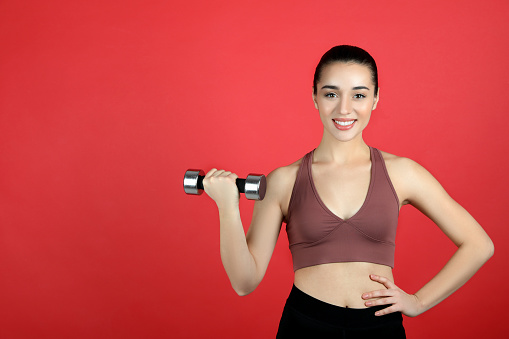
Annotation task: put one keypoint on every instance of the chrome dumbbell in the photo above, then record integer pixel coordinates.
(253, 186)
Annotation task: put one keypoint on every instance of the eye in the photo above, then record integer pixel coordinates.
(331, 95)
(359, 96)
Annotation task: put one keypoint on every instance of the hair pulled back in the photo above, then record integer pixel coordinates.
(346, 53)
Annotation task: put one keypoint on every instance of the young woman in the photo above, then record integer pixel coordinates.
(341, 204)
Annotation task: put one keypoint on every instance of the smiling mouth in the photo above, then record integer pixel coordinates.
(344, 123)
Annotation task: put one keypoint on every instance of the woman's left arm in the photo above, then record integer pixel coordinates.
(420, 189)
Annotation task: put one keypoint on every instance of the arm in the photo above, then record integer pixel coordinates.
(422, 190)
(246, 257)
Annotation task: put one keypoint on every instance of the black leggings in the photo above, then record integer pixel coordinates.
(307, 317)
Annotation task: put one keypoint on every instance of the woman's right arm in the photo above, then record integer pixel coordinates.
(246, 257)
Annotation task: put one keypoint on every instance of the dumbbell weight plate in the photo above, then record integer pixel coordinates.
(191, 181)
(255, 187)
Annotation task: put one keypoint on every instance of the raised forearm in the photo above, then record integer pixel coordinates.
(245, 265)
(235, 255)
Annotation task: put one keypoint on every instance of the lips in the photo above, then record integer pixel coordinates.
(344, 124)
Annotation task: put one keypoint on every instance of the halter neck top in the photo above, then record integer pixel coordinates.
(317, 236)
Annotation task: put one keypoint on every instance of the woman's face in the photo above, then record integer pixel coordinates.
(345, 97)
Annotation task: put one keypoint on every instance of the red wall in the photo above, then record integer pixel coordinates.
(105, 104)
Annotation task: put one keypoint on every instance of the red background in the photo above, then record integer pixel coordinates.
(105, 104)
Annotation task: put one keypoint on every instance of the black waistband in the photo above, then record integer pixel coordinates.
(339, 316)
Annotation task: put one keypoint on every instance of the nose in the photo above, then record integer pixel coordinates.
(345, 106)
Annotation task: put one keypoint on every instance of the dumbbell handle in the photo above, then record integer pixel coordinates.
(241, 183)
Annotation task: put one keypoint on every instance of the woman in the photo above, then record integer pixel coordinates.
(341, 203)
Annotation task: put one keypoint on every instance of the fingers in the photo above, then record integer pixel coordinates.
(382, 280)
(387, 296)
(209, 173)
(387, 310)
(390, 300)
(220, 173)
(213, 176)
(214, 173)
(399, 300)
(389, 285)
(379, 294)
(220, 186)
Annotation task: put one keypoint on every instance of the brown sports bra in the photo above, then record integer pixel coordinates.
(318, 236)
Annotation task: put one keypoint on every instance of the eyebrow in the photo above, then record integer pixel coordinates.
(336, 87)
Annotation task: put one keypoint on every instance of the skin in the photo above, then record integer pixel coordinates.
(341, 173)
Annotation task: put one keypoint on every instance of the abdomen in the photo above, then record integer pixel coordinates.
(341, 284)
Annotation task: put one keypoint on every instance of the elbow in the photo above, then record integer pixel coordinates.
(244, 289)
(490, 249)
(244, 281)
(481, 248)
(485, 249)
(242, 292)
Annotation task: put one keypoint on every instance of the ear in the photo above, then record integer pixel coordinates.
(314, 98)
(375, 102)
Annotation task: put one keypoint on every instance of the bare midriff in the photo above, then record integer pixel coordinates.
(341, 284)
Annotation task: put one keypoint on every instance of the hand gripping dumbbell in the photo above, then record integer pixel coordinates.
(253, 186)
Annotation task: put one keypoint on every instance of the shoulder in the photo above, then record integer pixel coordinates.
(407, 176)
(401, 166)
(284, 175)
(280, 184)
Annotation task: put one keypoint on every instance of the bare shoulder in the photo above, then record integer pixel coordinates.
(282, 173)
(407, 176)
(283, 177)
(400, 166)
(280, 184)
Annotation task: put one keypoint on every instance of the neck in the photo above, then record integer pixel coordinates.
(340, 152)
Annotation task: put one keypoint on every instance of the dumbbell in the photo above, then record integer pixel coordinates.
(253, 186)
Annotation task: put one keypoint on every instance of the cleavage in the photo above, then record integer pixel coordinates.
(344, 190)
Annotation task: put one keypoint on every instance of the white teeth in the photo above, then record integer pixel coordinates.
(345, 123)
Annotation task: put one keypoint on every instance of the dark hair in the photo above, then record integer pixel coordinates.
(346, 53)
